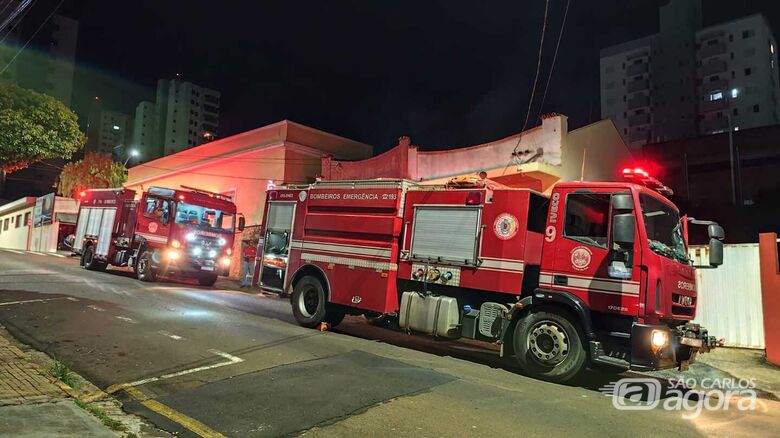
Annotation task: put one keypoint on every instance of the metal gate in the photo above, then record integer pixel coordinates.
(729, 303)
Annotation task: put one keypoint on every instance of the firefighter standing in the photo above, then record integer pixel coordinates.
(248, 254)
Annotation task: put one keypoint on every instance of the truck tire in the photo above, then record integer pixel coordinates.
(207, 280)
(549, 346)
(88, 260)
(310, 304)
(143, 267)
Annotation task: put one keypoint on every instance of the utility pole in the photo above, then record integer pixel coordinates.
(731, 160)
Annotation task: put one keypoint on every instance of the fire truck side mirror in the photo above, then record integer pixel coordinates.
(241, 223)
(716, 232)
(623, 228)
(622, 202)
(716, 252)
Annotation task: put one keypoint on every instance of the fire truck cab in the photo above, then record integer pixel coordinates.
(187, 232)
(596, 273)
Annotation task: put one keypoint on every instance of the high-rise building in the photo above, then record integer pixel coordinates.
(687, 80)
(46, 65)
(109, 132)
(184, 115)
(144, 130)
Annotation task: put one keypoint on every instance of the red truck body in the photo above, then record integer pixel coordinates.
(490, 262)
(185, 232)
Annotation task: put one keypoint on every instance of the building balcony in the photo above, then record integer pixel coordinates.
(639, 135)
(638, 85)
(712, 67)
(711, 86)
(639, 119)
(714, 105)
(710, 126)
(712, 49)
(638, 101)
(637, 69)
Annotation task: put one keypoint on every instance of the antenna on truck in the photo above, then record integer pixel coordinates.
(206, 192)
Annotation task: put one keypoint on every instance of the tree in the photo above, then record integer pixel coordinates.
(95, 171)
(34, 127)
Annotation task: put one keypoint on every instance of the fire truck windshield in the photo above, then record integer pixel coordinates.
(664, 231)
(204, 218)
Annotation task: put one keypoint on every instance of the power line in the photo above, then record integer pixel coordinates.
(538, 65)
(14, 14)
(32, 36)
(533, 88)
(555, 56)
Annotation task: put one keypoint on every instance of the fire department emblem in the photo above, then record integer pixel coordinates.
(302, 195)
(152, 227)
(580, 258)
(505, 226)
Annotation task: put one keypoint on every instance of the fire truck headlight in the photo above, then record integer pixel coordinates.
(221, 241)
(225, 261)
(197, 251)
(175, 244)
(659, 339)
(173, 254)
(190, 237)
(212, 253)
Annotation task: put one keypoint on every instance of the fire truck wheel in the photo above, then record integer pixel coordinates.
(143, 267)
(89, 262)
(308, 302)
(207, 280)
(549, 346)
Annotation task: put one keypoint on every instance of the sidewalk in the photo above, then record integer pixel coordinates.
(744, 363)
(32, 404)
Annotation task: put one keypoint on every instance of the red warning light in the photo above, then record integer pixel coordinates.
(82, 194)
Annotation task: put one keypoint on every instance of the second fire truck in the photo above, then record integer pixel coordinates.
(186, 232)
(595, 273)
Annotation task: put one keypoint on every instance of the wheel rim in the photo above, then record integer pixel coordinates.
(308, 301)
(548, 343)
(142, 266)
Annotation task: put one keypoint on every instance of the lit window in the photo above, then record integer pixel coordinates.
(734, 93)
(736, 128)
(116, 127)
(718, 95)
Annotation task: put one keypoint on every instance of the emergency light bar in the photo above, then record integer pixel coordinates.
(641, 176)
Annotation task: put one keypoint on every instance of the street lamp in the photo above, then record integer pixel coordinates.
(131, 154)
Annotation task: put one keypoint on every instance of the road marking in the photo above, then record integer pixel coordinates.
(42, 300)
(231, 360)
(187, 422)
(170, 335)
(94, 307)
(124, 318)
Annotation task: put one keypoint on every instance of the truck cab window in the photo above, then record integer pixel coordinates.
(587, 218)
(156, 208)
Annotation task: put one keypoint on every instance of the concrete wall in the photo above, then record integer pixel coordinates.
(16, 235)
(605, 153)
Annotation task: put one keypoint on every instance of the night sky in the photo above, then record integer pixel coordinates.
(448, 73)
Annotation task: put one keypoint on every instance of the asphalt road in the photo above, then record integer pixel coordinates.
(233, 363)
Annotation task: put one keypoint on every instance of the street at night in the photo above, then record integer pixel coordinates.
(393, 219)
(281, 379)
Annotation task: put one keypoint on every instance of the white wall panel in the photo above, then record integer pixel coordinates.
(730, 296)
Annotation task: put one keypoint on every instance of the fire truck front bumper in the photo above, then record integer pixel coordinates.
(185, 265)
(658, 347)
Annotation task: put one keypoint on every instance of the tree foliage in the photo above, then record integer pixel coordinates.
(34, 127)
(95, 171)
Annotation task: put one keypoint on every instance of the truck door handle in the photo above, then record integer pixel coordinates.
(560, 280)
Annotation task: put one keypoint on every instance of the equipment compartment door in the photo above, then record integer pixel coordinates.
(276, 247)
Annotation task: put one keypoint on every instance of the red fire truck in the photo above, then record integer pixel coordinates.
(187, 232)
(596, 273)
